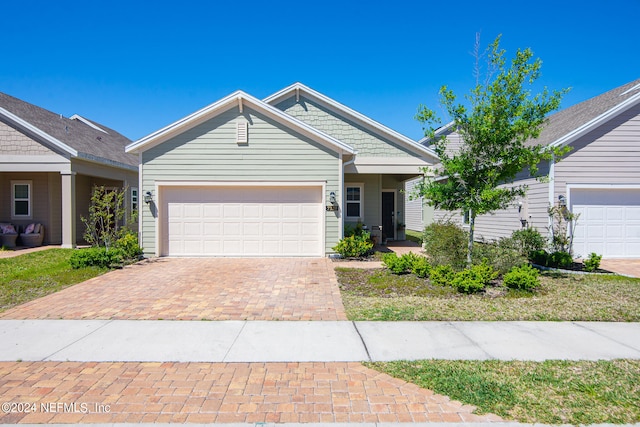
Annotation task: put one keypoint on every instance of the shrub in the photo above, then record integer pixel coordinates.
(466, 281)
(128, 244)
(502, 255)
(446, 243)
(524, 278)
(474, 279)
(528, 240)
(441, 275)
(560, 259)
(400, 265)
(540, 257)
(96, 256)
(593, 262)
(354, 246)
(421, 267)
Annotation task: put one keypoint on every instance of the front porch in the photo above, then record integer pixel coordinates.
(57, 200)
(377, 202)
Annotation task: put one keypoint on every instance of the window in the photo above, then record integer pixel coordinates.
(134, 199)
(354, 202)
(20, 199)
(465, 218)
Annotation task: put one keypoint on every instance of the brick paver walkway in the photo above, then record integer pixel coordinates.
(218, 392)
(630, 267)
(199, 288)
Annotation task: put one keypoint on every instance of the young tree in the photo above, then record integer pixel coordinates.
(496, 128)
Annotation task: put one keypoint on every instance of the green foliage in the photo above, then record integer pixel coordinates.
(562, 222)
(466, 281)
(353, 230)
(528, 240)
(524, 278)
(354, 246)
(593, 262)
(474, 279)
(402, 264)
(445, 243)
(560, 259)
(106, 214)
(502, 255)
(421, 267)
(128, 244)
(539, 257)
(500, 115)
(442, 275)
(96, 257)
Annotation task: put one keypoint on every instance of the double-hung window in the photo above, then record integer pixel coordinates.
(21, 199)
(354, 201)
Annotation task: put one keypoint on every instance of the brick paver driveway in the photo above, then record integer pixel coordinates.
(220, 392)
(199, 288)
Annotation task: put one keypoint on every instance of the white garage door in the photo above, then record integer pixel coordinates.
(609, 222)
(242, 221)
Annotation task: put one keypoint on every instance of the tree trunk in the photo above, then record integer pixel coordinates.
(472, 226)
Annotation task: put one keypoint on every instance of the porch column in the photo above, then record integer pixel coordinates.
(68, 209)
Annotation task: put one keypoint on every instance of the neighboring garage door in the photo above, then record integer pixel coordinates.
(609, 222)
(242, 221)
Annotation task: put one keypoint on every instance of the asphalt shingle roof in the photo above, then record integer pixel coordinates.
(105, 146)
(570, 119)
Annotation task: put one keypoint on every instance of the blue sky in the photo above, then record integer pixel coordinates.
(138, 66)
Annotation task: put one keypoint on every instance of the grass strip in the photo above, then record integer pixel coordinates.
(552, 392)
(377, 294)
(34, 275)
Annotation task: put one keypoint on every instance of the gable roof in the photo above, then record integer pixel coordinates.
(298, 89)
(75, 136)
(571, 123)
(239, 98)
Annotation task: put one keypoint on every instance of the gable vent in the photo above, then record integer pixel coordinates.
(242, 132)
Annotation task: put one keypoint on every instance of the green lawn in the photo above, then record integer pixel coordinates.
(376, 294)
(553, 392)
(30, 276)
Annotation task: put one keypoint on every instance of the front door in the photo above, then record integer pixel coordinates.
(388, 209)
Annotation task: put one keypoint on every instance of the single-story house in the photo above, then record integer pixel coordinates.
(283, 176)
(49, 165)
(599, 179)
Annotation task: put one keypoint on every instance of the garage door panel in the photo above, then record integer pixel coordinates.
(212, 211)
(609, 222)
(233, 211)
(239, 221)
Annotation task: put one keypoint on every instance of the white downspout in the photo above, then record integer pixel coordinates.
(552, 193)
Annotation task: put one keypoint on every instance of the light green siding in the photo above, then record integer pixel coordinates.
(209, 152)
(365, 142)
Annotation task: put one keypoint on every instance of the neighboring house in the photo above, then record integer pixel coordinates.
(418, 213)
(274, 177)
(599, 179)
(49, 164)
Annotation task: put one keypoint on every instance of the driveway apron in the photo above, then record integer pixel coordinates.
(199, 289)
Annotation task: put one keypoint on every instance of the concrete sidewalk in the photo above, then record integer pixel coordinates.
(295, 341)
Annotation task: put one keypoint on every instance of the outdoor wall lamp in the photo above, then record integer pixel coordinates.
(332, 198)
(562, 200)
(148, 197)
